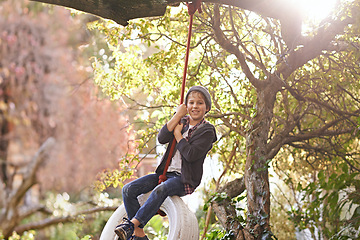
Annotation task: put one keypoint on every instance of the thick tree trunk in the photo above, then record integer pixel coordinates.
(256, 168)
(223, 209)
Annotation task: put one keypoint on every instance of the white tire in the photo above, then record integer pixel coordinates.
(183, 224)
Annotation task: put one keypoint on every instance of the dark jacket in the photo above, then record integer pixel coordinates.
(193, 151)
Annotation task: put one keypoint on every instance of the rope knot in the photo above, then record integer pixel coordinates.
(162, 178)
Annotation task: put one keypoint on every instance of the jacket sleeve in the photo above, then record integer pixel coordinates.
(198, 146)
(165, 135)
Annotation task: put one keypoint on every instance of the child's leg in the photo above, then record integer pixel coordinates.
(135, 188)
(172, 186)
(139, 232)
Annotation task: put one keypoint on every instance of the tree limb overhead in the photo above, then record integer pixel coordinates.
(122, 11)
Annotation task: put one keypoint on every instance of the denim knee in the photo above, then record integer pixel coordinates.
(160, 190)
(126, 190)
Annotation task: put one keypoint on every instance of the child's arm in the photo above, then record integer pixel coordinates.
(166, 132)
(177, 132)
(181, 111)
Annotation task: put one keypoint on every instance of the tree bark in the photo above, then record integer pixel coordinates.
(224, 210)
(256, 167)
(121, 11)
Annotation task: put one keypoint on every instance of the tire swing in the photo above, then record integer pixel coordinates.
(183, 224)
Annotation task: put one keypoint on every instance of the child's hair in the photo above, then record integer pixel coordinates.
(203, 91)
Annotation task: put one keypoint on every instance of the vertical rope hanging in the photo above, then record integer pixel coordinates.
(192, 8)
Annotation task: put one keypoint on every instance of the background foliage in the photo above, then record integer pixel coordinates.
(46, 92)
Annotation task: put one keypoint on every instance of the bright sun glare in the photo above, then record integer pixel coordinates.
(315, 10)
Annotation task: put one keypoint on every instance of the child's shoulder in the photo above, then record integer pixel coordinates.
(207, 123)
(210, 128)
(207, 126)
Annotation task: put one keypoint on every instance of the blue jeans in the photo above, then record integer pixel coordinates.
(172, 186)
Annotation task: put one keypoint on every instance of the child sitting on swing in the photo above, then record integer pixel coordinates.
(194, 139)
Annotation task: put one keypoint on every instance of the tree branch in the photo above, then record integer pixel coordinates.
(222, 115)
(27, 212)
(29, 177)
(283, 138)
(316, 133)
(121, 11)
(225, 44)
(223, 208)
(333, 109)
(65, 219)
(312, 48)
(2, 194)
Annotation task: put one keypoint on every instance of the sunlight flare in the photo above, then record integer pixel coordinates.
(315, 10)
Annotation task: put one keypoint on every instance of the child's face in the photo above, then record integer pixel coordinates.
(196, 107)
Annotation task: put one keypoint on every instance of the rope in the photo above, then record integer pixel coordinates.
(192, 8)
